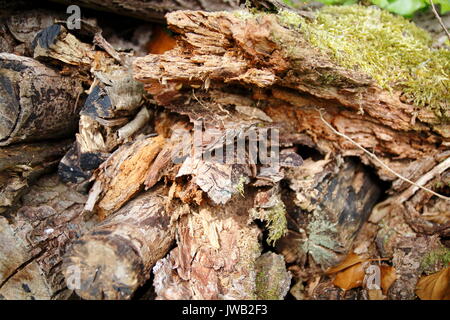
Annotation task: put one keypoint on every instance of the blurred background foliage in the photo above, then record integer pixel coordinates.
(406, 8)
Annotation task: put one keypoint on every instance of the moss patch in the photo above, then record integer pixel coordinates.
(436, 258)
(275, 218)
(390, 49)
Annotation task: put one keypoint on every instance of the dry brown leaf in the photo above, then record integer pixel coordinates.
(388, 276)
(435, 286)
(350, 278)
(349, 261)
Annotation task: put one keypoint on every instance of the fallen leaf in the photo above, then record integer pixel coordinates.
(388, 277)
(435, 286)
(349, 261)
(350, 278)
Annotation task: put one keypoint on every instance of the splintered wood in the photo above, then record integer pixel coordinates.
(219, 50)
(231, 162)
(124, 173)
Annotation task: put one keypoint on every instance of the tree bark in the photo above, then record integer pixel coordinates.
(33, 242)
(116, 257)
(153, 10)
(36, 102)
(216, 254)
(22, 164)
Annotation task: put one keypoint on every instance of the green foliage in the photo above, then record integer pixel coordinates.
(405, 8)
(392, 50)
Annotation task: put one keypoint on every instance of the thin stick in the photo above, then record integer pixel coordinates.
(439, 19)
(385, 166)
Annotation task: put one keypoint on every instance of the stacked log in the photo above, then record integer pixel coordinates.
(240, 162)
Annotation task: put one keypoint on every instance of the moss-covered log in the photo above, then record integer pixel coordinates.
(290, 77)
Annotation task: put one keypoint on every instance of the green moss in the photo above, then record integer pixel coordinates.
(390, 49)
(272, 279)
(263, 292)
(436, 257)
(276, 222)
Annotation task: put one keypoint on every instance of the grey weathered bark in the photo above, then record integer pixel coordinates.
(33, 242)
(154, 10)
(36, 102)
(116, 257)
(22, 164)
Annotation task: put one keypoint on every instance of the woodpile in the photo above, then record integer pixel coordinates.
(228, 159)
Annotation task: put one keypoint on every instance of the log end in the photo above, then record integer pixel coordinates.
(103, 267)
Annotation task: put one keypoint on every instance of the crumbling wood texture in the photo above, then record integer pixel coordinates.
(22, 164)
(288, 79)
(122, 176)
(216, 254)
(33, 242)
(154, 10)
(328, 203)
(36, 102)
(116, 257)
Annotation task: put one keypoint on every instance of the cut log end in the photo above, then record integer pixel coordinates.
(106, 268)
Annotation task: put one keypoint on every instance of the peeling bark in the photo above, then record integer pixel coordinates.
(116, 257)
(22, 164)
(215, 257)
(32, 245)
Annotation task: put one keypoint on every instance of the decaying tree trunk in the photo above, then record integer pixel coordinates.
(290, 86)
(226, 166)
(154, 10)
(22, 164)
(330, 203)
(33, 242)
(116, 257)
(226, 63)
(36, 102)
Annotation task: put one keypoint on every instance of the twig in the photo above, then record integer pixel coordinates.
(439, 19)
(385, 166)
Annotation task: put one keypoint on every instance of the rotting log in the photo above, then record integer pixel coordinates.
(36, 102)
(328, 204)
(276, 67)
(116, 257)
(154, 10)
(33, 242)
(215, 255)
(22, 164)
(114, 111)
